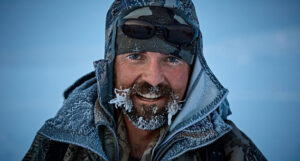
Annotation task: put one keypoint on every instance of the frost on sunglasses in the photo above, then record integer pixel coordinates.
(176, 33)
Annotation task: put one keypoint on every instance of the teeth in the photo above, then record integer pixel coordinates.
(150, 95)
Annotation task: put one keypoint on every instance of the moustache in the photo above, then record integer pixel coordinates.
(146, 90)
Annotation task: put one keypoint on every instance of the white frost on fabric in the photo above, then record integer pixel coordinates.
(122, 99)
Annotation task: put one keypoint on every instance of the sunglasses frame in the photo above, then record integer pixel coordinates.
(158, 29)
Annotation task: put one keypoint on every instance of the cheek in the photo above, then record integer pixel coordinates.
(124, 76)
(178, 80)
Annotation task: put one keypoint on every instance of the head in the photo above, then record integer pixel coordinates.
(157, 83)
(154, 54)
(136, 74)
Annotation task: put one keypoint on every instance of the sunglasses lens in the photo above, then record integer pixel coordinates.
(138, 29)
(179, 34)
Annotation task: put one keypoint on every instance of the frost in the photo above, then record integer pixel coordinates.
(154, 118)
(155, 109)
(173, 108)
(152, 124)
(154, 89)
(122, 99)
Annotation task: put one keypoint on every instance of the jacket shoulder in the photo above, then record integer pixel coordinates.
(43, 148)
(238, 146)
(233, 146)
(78, 82)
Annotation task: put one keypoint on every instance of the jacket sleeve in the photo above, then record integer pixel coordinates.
(237, 146)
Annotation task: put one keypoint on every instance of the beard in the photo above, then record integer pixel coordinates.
(147, 117)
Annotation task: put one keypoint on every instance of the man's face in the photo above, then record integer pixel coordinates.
(147, 72)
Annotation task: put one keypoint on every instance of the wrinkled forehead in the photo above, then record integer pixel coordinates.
(158, 14)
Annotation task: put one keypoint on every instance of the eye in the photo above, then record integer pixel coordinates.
(174, 60)
(135, 56)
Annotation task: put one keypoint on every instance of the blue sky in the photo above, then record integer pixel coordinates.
(252, 47)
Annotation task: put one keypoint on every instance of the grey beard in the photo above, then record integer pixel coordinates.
(151, 120)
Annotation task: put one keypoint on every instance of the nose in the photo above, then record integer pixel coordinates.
(153, 73)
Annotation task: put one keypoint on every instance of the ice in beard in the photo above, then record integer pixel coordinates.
(151, 118)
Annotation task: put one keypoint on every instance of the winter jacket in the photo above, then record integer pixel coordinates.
(85, 127)
(78, 130)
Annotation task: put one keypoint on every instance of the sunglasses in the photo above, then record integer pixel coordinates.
(176, 33)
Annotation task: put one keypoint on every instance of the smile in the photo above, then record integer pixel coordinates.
(149, 96)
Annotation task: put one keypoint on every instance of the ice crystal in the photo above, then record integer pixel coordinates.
(157, 118)
(122, 99)
(151, 124)
(173, 108)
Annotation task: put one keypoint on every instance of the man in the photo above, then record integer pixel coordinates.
(153, 97)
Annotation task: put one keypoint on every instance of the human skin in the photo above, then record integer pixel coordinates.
(153, 68)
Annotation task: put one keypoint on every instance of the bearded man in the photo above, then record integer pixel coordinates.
(153, 97)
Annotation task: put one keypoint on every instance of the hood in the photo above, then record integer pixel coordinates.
(205, 104)
(205, 93)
